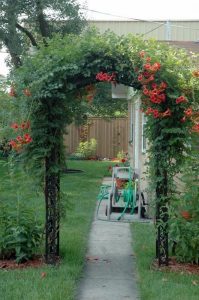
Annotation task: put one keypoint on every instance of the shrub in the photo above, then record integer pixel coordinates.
(124, 158)
(20, 233)
(185, 233)
(86, 149)
(122, 155)
(184, 224)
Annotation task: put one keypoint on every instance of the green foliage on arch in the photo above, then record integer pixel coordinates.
(54, 88)
(58, 74)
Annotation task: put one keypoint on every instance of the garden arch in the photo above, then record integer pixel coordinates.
(59, 76)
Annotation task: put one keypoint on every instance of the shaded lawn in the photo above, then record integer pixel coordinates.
(157, 285)
(59, 282)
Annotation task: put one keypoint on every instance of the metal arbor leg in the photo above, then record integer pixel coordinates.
(52, 194)
(162, 251)
(109, 206)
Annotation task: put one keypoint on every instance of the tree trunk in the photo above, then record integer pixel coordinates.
(42, 22)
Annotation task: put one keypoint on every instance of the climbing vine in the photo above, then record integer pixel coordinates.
(59, 73)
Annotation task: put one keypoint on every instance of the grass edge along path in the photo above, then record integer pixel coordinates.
(159, 285)
(57, 283)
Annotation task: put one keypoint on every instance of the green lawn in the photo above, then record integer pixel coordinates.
(156, 285)
(60, 282)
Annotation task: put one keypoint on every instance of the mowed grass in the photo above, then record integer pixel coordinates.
(159, 285)
(60, 282)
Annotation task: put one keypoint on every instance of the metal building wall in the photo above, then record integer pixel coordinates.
(160, 30)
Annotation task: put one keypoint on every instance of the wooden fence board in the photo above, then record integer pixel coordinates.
(112, 136)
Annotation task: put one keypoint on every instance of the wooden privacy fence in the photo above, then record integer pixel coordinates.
(112, 136)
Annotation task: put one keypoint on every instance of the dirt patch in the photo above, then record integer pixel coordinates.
(174, 266)
(8, 264)
(72, 171)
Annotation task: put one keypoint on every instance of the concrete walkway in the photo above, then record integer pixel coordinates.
(110, 264)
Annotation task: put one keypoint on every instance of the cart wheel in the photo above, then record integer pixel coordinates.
(111, 203)
(109, 206)
(106, 210)
(143, 212)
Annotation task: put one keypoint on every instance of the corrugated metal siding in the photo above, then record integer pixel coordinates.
(185, 31)
(111, 136)
(179, 30)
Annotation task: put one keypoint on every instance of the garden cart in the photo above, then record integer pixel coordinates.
(122, 195)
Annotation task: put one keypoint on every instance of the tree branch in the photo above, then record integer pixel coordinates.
(14, 56)
(28, 33)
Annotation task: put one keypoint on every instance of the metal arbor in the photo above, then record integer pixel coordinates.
(108, 59)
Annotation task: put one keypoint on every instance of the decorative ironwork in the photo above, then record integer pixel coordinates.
(162, 251)
(52, 199)
(162, 248)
